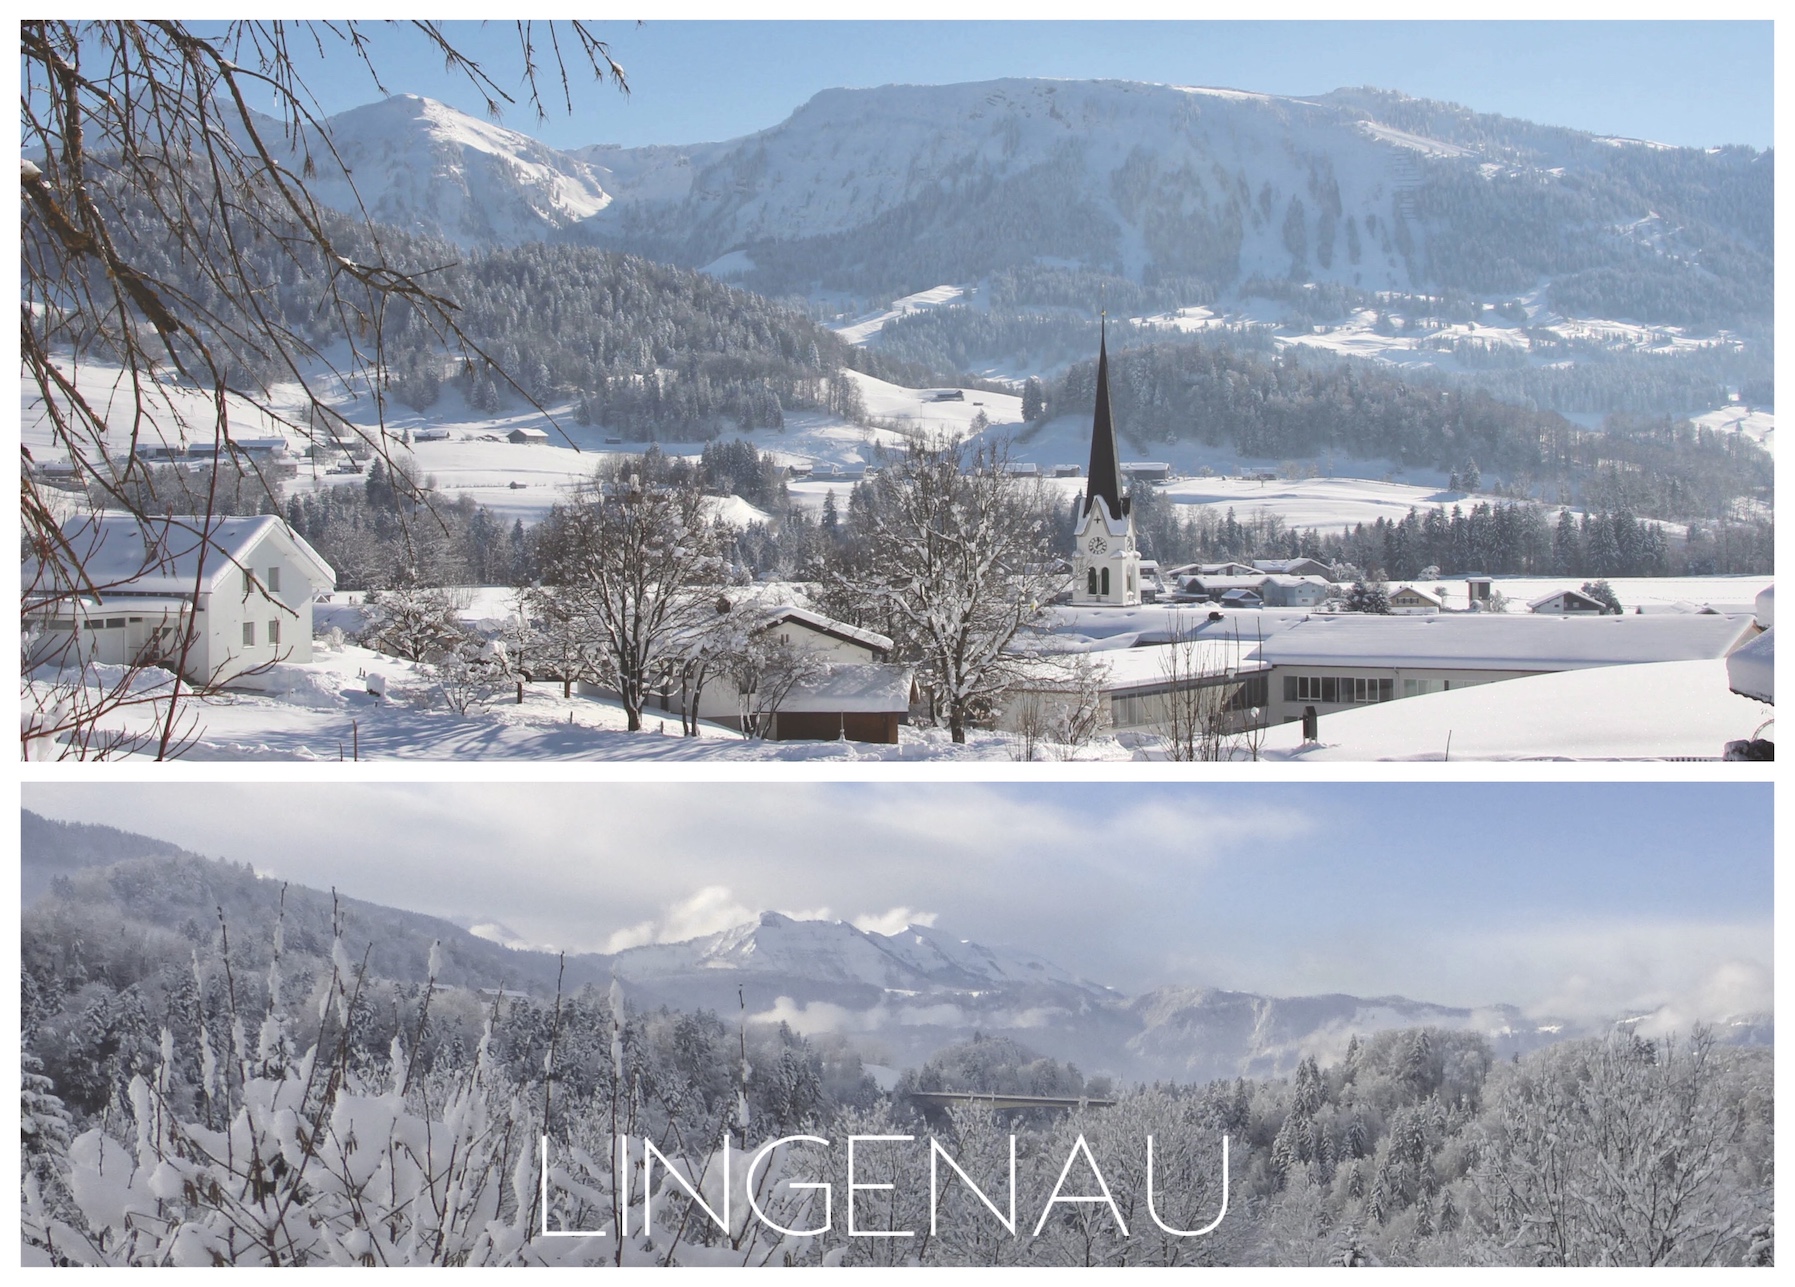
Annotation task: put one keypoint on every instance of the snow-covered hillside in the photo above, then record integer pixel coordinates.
(1127, 154)
(420, 165)
(1368, 190)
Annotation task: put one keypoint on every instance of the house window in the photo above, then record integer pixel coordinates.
(1105, 590)
(249, 634)
(274, 580)
(115, 623)
(274, 632)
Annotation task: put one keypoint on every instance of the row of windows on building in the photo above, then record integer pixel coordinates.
(1354, 690)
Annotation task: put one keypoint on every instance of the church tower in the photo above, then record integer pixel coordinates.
(1107, 566)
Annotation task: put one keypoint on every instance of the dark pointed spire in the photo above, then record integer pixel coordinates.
(1105, 473)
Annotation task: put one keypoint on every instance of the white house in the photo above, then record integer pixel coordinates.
(1294, 591)
(1354, 659)
(248, 588)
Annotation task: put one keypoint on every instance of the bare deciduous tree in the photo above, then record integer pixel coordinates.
(640, 563)
(958, 561)
(1615, 1153)
(153, 195)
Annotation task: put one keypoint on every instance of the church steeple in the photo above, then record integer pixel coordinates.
(1105, 473)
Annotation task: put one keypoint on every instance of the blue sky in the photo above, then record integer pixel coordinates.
(1688, 83)
(1569, 899)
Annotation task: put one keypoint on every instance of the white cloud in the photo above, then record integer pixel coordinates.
(895, 921)
(711, 910)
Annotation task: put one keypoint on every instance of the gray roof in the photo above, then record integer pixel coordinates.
(1496, 641)
(162, 555)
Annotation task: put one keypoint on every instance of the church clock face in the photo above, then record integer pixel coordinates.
(1097, 545)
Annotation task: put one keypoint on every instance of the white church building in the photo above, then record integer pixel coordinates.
(1106, 570)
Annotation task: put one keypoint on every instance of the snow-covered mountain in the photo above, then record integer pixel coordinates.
(920, 989)
(1198, 1033)
(911, 993)
(420, 165)
(915, 959)
(903, 187)
(1109, 174)
(1198, 191)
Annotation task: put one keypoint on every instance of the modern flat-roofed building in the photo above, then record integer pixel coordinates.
(1351, 659)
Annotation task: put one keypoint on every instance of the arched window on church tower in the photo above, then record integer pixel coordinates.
(1090, 580)
(1105, 590)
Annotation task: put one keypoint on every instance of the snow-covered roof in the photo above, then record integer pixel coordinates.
(1418, 592)
(1286, 565)
(1495, 641)
(1535, 604)
(1214, 583)
(1751, 671)
(830, 626)
(1671, 709)
(1150, 665)
(857, 687)
(124, 554)
(1766, 606)
(1286, 582)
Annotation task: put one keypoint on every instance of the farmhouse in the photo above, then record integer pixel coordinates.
(1412, 601)
(536, 437)
(248, 589)
(1351, 659)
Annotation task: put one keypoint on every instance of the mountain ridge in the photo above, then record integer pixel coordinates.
(914, 991)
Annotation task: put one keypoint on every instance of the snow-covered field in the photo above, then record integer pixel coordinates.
(323, 712)
(519, 481)
(1758, 425)
(861, 329)
(1668, 710)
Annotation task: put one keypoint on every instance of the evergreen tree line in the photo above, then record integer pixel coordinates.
(1549, 371)
(554, 322)
(1494, 538)
(1291, 406)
